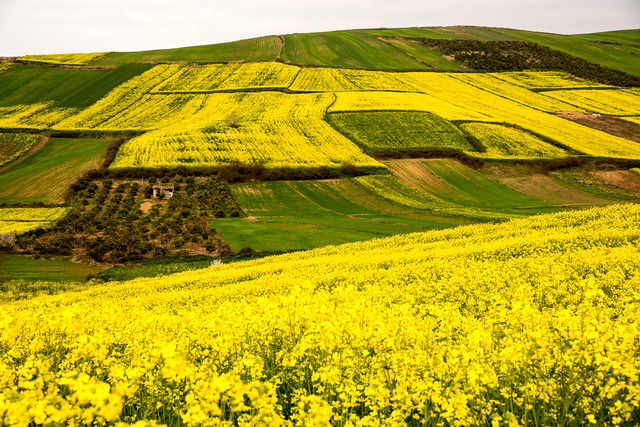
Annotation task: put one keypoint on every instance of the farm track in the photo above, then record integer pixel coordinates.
(32, 150)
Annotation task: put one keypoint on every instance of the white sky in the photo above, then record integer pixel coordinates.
(58, 26)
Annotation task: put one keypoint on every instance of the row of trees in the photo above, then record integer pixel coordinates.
(107, 224)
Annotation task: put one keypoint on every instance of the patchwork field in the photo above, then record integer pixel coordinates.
(502, 141)
(64, 59)
(342, 320)
(363, 227)
(45, 176)
(290, 215)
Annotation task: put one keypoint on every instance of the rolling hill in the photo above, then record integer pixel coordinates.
(428, 225)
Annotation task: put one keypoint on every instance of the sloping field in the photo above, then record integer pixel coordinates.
(613, 102)
(618, 57)
(273, 128)
(455, 183)
(21, 220)
(217, 77)
(15, 145)
(346, 49)
(425, 54)
(338, 80)
(506, 142)
(378, 130)
(545, 80)
(46, 175)
(287, 215)
(256, 49)
(430, 327)
(493, 84)
(64, 59)
(39, 97)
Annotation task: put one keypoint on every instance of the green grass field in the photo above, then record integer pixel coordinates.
(350, 49)
(255, 49)
(55, 269)
(426, 55)
(46, 175)
(27, 84)
(290, 215)
(458, 184)
(403, 130)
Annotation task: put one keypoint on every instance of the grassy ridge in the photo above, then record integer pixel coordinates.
(350, 49)
(256, 49)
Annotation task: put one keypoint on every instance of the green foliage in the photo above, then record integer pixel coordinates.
(29, 268)
(517, 55)
(402, 130)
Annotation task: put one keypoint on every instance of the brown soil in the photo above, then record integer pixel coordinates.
(623, 179)
(414, 173)
(146, 206)
(609, 124)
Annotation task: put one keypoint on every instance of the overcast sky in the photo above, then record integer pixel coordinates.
(58, 26)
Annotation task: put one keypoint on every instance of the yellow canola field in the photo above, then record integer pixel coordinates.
(604, 101)
(506, 142)
(123, 104)
(342, 80)
(397, 101)
(166, 100)
(530, 321)
(271, 128)
(65, 58)
(39, 116)
(580, 138)
(491, 83)
(632, 119)
(217, 77)
(545, 80)
(20, 220)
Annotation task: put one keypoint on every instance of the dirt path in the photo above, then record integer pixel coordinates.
(36, 147)
(281, 37)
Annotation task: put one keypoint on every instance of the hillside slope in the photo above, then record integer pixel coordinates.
(519, 321)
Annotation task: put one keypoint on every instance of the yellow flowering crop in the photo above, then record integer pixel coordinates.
(15, 145)
(505, 142)
(20, 220)
(604, 101)
(534, 321)
(545, 80)
(64, 58)
(343, 80)
(273, 128)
